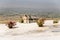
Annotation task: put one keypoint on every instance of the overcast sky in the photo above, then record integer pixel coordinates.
(30, 3)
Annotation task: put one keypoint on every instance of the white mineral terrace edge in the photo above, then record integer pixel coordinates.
(29, 31)
(50, 22)
(25, 27)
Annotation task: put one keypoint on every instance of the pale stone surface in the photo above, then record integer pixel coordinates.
(29, 31)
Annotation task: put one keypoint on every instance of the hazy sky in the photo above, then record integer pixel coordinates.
(30, 3)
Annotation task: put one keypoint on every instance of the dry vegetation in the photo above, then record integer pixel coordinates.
(40, 22)
(55, 21)
(7, 19)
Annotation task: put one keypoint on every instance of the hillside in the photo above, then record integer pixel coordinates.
(49, 13)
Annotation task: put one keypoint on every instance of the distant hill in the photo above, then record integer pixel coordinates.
(53, 13)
